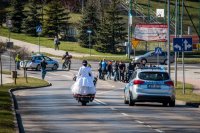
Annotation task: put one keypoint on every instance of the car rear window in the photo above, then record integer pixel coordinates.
(154, 76)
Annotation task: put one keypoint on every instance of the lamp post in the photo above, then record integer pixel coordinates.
(168, 39)
(89, 32)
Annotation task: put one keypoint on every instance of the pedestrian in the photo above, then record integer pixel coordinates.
(131, 69)
(100, 70)
(122, 69)
(103, 68)
(17, 61)
(32, 53)
(56, 43)
(116, 71)
(43, 68)
(109, 70)
(142, 64)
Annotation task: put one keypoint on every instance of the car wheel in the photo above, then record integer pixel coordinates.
(172, 103)
(38, 67)
(131, 102)
(125, 100)
(166, 62)
(144, 61)
(55, 67)
(165, 104)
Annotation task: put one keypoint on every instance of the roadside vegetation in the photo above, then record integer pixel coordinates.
(6, 112)
(189, 96)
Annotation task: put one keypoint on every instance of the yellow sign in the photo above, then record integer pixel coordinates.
(135, 43)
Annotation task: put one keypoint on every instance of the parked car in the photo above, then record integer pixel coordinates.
(150, 84)
(34, 62)
(151, 57)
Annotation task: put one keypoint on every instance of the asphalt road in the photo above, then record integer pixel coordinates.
(53, 109)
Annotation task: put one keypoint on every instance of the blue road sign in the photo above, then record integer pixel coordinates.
(182, 44)
(38, 28)
(158, 50)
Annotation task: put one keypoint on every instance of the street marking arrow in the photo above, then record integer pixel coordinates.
(177, 47)
(187, 45)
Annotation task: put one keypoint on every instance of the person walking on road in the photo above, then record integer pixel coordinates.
(131, 69)
(103, 68)
(56, 43)
(17, 61)
(122, 69)
(43, 68)
(100, 70)
(109, 70)
(116, 71)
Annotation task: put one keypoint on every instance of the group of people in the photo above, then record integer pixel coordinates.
(118, 70)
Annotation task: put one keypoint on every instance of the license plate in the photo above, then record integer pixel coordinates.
(153, 86)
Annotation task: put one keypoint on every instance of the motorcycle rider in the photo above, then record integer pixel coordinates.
(84, 84)
(66, 59)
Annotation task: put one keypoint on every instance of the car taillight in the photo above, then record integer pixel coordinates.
(169, 83)
(138, 82)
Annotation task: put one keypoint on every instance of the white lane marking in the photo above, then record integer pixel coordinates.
(53, 74)
(148, 125)
(113, 86)
(97, 102)
(100, 102)
(139, 122)
(67, 76)
(104, 92)
(124, 114)
(113, 108)
(158, 130)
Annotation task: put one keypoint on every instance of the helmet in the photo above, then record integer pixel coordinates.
(84, 62)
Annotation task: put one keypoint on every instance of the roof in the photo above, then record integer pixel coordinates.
(157, 69)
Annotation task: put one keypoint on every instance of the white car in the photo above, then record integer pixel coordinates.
(150, 84)
(34, 62)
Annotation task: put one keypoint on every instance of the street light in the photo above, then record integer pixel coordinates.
(89, 32)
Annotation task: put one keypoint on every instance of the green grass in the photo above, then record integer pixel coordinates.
(6, 72)
(48, 42)
(6, 114)
(189, 96)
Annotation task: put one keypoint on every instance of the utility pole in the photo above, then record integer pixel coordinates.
(168, 39)
(129, 27)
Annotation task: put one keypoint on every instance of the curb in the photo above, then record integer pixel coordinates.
(18, 119)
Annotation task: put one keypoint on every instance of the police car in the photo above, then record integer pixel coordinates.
(150, 84)
(34, 62)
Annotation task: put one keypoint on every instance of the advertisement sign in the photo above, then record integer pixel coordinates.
(160, 13)
(151, 32)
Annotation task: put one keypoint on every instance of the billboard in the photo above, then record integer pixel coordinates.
(151, 32)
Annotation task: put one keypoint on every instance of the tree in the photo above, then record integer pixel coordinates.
(33, 18)
(57, 18)
(112, 30)
(3, 5)
(90, 21)
(16, 15)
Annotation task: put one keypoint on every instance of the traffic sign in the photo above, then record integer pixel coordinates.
(182, 44)
(158, 50)
(135, 43)
(38, 28)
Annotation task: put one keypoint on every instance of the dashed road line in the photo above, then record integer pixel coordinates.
(158, 130)
(113, 108)
(139, 122)
(124, 114)
(100, 102)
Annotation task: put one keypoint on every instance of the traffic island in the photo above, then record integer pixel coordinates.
(8, 104)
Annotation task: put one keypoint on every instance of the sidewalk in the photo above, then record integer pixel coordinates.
(6, 78)
(192, 76)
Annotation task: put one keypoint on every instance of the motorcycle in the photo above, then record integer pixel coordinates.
(66, 65)
(84, 99)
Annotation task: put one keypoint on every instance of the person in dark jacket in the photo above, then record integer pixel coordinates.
(116, 71)
(122, 69)
(100, 70)
(109, 69)
(43, 68)
(131, 69)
